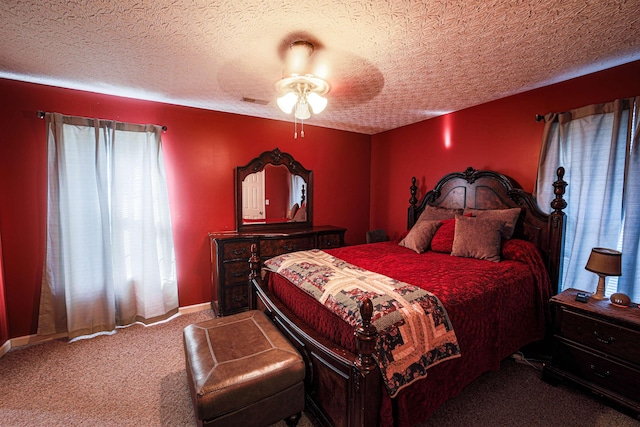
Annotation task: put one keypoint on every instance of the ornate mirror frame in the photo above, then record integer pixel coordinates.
(275, 157)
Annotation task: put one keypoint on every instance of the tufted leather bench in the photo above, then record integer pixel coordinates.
(242, 371)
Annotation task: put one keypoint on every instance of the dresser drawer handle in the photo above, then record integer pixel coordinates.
(242, 251)
(600, 374)
(609, 340)
(290, 248)
(238, 274)
(238, 298)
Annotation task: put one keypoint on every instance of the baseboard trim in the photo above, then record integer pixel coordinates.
(35, 339)
(195, 308)
(5, 348)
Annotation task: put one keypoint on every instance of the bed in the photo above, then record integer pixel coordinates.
(345, 384)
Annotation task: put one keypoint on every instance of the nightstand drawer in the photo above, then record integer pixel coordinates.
(600, 335)
(621, 379)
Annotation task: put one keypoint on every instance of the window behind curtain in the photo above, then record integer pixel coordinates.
(595, 144)
(109, 253)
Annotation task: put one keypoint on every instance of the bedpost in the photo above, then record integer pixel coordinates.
(366, 375)
(367, 336)
(254, 266)
(413, 201)
(556, 230)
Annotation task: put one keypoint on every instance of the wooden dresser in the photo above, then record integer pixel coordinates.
(230, 253)
(597, 345)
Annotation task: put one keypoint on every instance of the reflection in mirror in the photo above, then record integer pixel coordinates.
(273, 190)
(273, 195)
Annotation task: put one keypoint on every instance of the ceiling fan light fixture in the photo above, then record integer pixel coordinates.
(316, 102)
(287, 101)
(301, 93)
(302, 111)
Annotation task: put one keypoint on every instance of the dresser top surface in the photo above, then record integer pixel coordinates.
(276, 233)
(603, 308)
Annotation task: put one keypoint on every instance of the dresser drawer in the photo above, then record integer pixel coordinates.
(622, 379)
(272, 247)
(235, 272)
(237, 250)
(600, 335)
(236, 298)
(328, 241)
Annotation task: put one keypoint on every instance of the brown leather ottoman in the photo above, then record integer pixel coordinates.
(243, 372)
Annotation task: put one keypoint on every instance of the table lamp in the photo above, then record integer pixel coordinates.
(604, 262)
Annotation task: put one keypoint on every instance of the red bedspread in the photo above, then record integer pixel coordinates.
(495, 309)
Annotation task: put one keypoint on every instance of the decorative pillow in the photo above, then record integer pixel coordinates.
(477, 238)
(433, 213)
(291, 212)
(420, 235)
(301, 215)
(442, 241)
(508, 216)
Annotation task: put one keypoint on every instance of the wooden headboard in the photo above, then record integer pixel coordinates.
(484, 189)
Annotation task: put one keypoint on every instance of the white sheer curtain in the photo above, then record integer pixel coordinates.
(593, 144)
(296, 185)
(109, 252)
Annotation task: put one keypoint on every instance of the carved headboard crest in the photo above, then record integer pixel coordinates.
(484, 189)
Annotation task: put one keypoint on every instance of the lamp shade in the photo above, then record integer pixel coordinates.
(606, 262)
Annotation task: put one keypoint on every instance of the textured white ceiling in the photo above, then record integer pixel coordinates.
(390, 63)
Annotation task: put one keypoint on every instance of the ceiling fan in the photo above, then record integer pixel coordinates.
(302, 87)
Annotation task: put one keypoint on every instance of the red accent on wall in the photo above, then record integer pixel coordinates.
(201, 150)
(501, 135)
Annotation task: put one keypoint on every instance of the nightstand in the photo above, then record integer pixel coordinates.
(596, 345)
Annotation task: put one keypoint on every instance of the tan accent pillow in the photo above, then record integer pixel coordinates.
(508, 216)
(433, 213)
(291, 212)
(420, 235)
(478, 238)
(300, 215)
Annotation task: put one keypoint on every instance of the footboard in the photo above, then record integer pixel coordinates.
(341, 388)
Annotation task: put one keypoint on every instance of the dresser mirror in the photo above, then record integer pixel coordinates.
(273, 191)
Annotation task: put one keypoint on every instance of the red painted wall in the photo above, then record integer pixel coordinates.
(355, 176)
(276, 180)
(201, 150)
(501, 135)
(4, 327)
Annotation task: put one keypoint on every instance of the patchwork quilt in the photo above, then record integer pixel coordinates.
(414, 329)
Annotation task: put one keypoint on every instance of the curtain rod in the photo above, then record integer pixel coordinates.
(539, 117)
(41, 116)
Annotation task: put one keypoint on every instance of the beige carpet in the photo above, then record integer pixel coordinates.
(137, 378)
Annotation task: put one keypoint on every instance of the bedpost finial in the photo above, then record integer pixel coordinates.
(559, 188)
(366, 310)
(367, 335)
(413, 190)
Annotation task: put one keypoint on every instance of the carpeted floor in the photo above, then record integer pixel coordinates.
(137, 377)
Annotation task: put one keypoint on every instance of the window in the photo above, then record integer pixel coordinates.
(109, 252)
(598, 146)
